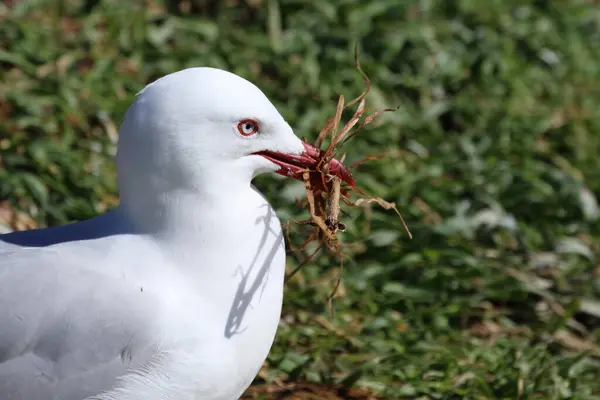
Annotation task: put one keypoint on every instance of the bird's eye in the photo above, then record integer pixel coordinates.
(248, 127)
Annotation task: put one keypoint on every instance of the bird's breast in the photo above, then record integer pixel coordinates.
(231, 288)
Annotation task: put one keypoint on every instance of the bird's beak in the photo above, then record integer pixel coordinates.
(293, 165)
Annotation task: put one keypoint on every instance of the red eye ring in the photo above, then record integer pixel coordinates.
(248, 127)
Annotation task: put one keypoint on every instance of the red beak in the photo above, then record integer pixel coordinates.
(293, 166)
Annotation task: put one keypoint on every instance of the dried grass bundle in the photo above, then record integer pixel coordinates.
(324, 188)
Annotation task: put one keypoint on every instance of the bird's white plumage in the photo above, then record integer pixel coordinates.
(175, 294)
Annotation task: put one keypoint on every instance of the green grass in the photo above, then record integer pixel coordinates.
(492, 159)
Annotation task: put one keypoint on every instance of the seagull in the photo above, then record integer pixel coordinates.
(176, 293)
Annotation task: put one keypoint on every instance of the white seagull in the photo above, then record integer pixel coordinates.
(176, 294)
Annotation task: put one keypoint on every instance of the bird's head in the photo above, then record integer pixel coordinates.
(203, 127)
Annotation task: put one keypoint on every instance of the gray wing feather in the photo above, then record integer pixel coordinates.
(66, 332)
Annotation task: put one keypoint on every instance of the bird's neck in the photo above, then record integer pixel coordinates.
(182, 213)
(168, 203)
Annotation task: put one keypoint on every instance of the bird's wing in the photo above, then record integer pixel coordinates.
(67, 331)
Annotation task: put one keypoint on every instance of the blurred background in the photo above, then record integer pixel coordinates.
(492, 158)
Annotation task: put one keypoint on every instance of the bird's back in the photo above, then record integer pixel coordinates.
(69, 327)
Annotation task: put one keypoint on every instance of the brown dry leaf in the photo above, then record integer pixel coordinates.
(14, 219)
(573, 342)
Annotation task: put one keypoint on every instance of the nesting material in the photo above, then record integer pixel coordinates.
(325, 191)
